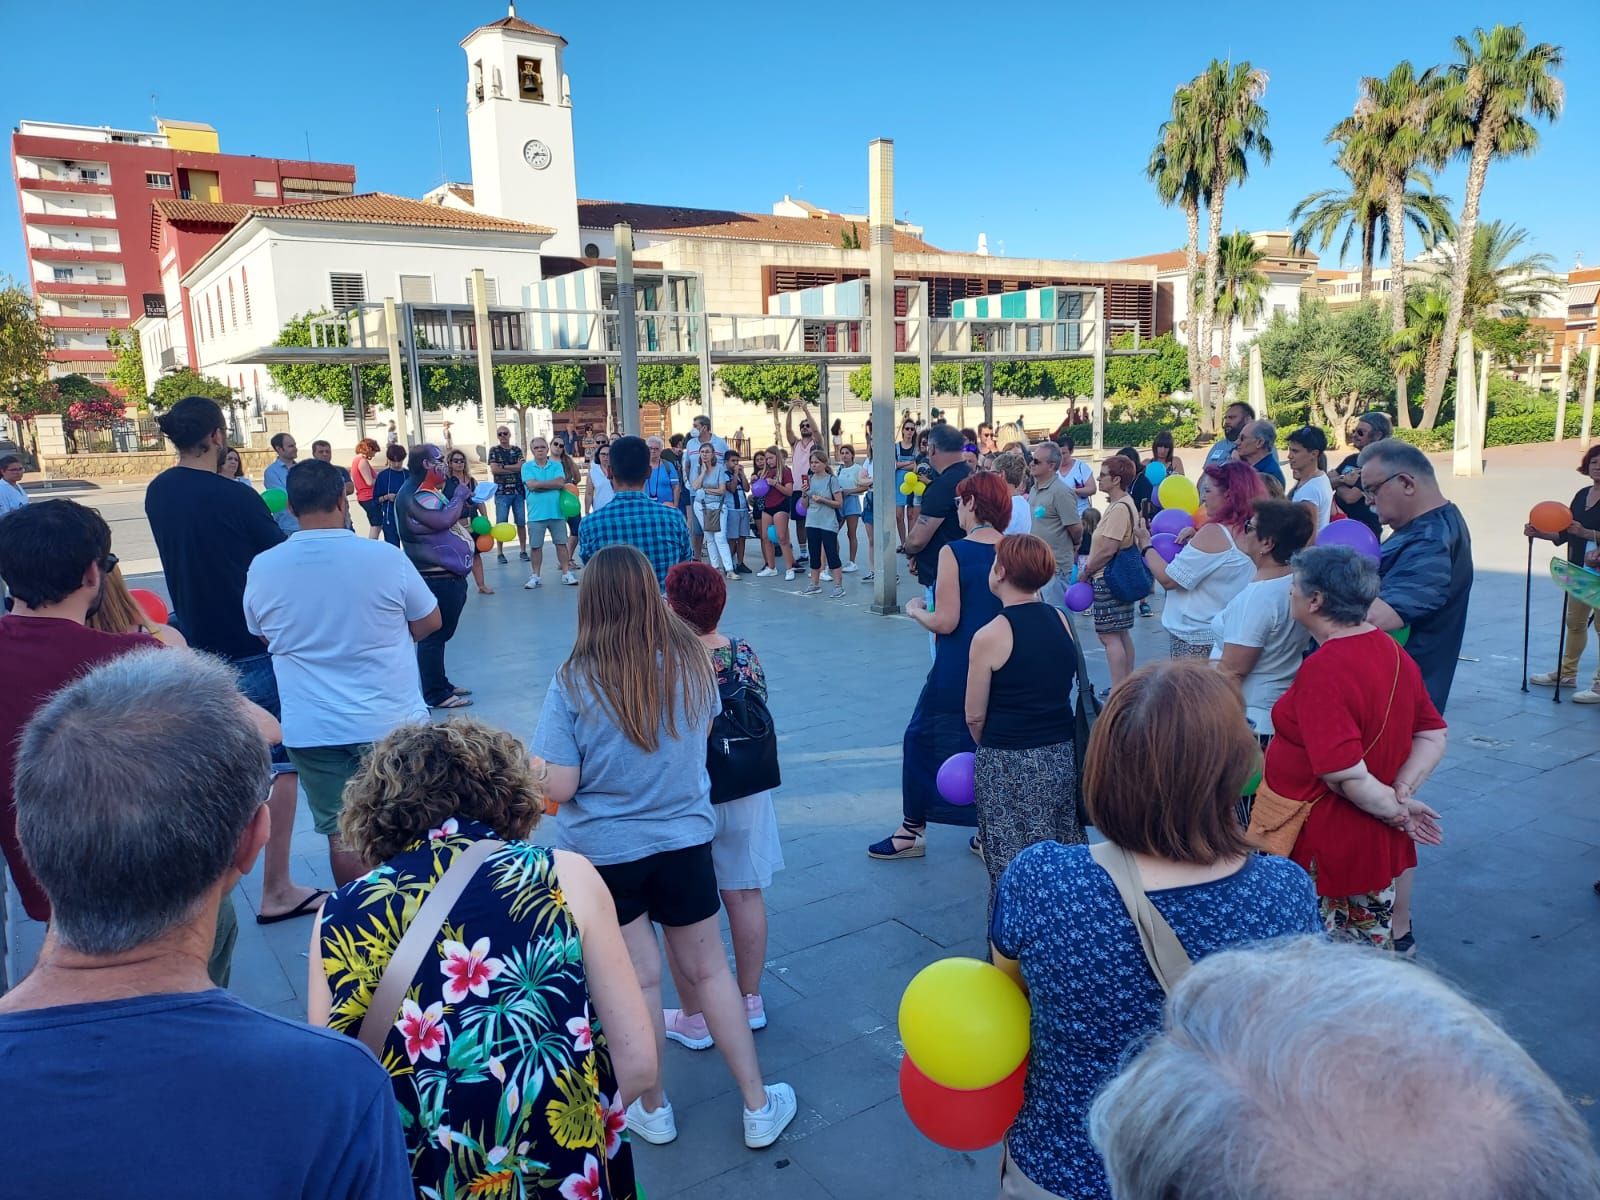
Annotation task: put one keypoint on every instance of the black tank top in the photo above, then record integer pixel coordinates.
(1030, 697)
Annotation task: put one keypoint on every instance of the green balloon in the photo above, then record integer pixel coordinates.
(569, 505)
(277, 499)
(481, 525)
(1401, 635)
(1253, 784)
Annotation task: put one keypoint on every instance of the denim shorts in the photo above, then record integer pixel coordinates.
(260, 686)
(514, 506)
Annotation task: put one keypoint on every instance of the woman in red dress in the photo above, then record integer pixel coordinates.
(1355, 736)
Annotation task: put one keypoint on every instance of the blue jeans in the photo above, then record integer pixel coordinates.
(260, 686)
(515, 507)
(451, 592)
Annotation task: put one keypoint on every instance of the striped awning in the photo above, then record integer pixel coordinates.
(1581, 294)
(330, 187)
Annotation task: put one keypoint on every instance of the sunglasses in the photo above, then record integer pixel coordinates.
(108, 563)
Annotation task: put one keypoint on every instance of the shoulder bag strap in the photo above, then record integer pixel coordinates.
(1162, 950)
(416, 942)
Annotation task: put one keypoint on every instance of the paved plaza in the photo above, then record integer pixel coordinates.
(1504, 907)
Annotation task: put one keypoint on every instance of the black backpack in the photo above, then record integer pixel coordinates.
(742, 748)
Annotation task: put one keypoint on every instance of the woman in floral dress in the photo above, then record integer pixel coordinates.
(504, 1081)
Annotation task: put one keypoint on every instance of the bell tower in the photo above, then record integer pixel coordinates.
(519, 127)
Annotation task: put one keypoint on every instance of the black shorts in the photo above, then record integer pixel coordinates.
(677, 887)
(374, 511)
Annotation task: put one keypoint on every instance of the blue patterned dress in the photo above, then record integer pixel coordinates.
(1058, 914)
(501, 1074)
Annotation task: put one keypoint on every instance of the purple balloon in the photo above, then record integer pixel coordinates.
(800, 508)
(760, 487)
(1080, 596)
(1171, 521)
(1353, 534)
(1165, 545)
(955, 778)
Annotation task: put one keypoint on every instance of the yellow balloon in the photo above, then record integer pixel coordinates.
(921, 485)
(908, 485)
(504, 532)
(1179, 492)
(964, 1023)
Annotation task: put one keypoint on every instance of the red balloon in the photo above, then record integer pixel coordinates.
(960, 1120)
(154, 607)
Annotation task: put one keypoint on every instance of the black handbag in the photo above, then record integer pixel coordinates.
(1085, 712)
(742, 748)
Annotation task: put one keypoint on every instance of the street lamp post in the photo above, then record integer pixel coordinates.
(880, 252)
(627, 332)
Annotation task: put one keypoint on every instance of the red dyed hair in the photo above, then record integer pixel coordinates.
(1121, 469)
(697, 593)
(991, 498)
(1026, 560)
(1241, 487)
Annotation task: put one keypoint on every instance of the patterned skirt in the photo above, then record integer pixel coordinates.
(1110, 614)
(1182, 649)
(1023, 797)
(1367, 919)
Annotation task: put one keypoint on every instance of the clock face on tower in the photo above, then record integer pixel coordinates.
(536, 154)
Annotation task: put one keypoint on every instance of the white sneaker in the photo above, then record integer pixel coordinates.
(569, 579)
(850, 568)
(660, 1127)
(533, 582)
(766, 573)
(788, 576)
(763, 1127)
(1588, 696)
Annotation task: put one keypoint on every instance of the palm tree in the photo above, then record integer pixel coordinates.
(1492, 94)
(1419, 345)
(1233, 125)
(1389, 134)
(1241, 290)
(1178, 170)
(1499, 281)
(1362, 213)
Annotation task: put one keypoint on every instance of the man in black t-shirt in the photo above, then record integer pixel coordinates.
(207, 530)
(1346, 477)
(510, 496)
(936, 525)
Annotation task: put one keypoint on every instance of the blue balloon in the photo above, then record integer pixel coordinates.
(1155, 473)
(772, 534)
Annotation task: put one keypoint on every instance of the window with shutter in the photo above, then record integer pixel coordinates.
(490, 289)
(244, 285)
(416, 289)
(348, 289)
(233, 307)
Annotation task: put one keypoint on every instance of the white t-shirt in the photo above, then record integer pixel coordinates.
(1021, 516)
(1080, 474)
(12, 497)
(333, 608)
(603, 488)
(1316, 490)
(1259, 616)
(1206, 582)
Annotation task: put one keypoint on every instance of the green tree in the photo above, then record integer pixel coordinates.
(556, 386)
(1500, 277)
(1181, 173)
(25, 348)
(169, 389)
(773, 385)
(328, 382)
(1234, 124)
(1510, 339)
(127, 371)
(1493, 93)
(1419, 346)
(666, 384)
(1241, 288)
(1336, 362)
(1360, 214)
(850, 237)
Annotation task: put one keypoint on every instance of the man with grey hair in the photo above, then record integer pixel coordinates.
(1257, 446)
(1280, 1076)
(140, 795)
(1057, 518)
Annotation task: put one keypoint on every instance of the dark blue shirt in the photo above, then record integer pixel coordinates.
(1426, 573)
(1270, 466)
(193, 1095)
(1058, 914)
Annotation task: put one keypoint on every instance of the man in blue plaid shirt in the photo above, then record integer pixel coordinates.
(631, 518)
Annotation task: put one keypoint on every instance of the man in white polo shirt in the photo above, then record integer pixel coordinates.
(340, 616)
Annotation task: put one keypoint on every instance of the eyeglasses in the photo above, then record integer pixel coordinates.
(1249, 526)
(1371, 493)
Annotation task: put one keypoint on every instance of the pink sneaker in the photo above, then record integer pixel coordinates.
(755, 1012)
(689, 1032)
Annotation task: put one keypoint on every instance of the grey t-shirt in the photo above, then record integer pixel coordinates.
(630, 803)
(822, 516)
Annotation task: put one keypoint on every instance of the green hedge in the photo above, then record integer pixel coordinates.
(1136, 433)
(1513, 429)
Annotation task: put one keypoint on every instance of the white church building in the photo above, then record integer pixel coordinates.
(234, 275)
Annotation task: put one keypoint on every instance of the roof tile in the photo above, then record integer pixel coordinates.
(369, 208)
(742, 226)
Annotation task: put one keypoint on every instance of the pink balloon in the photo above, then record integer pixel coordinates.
(1080, 596)
(1353, 534)
(1172, 521)
(1166, 545)
(955, 778)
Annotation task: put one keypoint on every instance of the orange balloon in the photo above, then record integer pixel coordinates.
(1550, 516)
(485, 543)
(1201, 517)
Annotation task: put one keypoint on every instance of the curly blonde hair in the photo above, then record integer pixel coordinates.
(421, 775)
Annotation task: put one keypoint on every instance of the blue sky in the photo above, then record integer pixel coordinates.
(1031, 122)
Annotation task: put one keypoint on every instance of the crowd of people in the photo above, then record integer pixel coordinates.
(1258, 793)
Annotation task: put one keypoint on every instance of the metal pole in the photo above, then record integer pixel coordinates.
(988, 392)
(1561, 647)
(880, 258)
(480, 323)
(922, 312)
(1468, 459)
(359, 401)
(627, 331)
(415, 369)
(707, 380)
(1527, 614)
(824, 411)
(1561, 393)
(1588, 394)
(397, 376)
(1097, 441)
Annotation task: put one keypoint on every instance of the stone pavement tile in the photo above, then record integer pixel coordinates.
(834, 916)
(710, 1143)
(764, 1177)
(878, 949)
(848, 1079)
(878, 1153)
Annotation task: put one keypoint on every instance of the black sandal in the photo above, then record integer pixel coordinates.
(890, 848)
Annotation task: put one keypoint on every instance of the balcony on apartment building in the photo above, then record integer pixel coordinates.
(66, 186)
(71, 220)
(63, 254)
(66, 288)
(82, 321)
